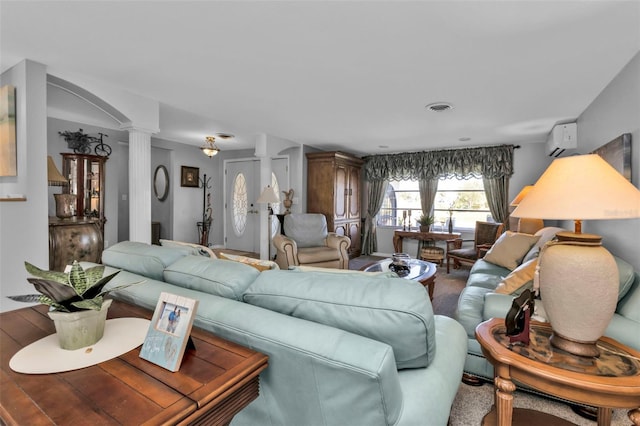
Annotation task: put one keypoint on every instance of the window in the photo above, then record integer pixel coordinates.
(465, 198)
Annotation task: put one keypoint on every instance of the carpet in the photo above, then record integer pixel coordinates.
(473, 402)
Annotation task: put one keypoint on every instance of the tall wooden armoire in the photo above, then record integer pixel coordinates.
(333, 189)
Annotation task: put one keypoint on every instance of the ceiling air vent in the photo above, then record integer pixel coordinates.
(439, 107)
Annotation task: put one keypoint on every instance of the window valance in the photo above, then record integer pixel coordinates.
(481, 162)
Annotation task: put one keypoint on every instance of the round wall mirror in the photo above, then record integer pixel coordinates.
(161, 183)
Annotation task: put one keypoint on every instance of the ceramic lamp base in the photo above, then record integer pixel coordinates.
(586, 349)
(579, 290)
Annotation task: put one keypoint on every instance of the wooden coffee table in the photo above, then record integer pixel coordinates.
(421, 271)
(214, 382)
(609, 381)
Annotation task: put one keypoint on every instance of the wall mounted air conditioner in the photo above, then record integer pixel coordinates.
(562, 139)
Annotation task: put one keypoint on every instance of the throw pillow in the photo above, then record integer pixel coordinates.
(509, 249)
(260, 265)
(190, 248)
(519, 279)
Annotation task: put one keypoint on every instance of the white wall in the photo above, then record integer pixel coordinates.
(614, 112)
(24, 225)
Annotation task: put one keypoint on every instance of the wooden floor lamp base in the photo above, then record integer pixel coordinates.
(526, 417)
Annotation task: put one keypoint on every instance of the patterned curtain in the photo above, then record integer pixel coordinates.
(376, 193)
(497, 191)
(428, 189)
(482, 162)
(494, 164)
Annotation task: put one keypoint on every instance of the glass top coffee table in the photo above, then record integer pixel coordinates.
(419, 270)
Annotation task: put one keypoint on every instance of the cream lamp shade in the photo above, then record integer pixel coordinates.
(54, 177)
(523, 193)
(582, 187)
(268, 196)
(578, 277)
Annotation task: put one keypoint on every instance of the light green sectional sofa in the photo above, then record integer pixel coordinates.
(344, 348)
(479, 302)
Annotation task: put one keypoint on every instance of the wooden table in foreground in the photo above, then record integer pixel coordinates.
(609, 381)
(214, 382)
(398, 236)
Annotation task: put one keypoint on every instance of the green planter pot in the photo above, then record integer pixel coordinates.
(80, 329)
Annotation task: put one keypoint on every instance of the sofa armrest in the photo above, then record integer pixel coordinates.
(496, 305)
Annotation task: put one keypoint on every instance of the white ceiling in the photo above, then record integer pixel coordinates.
(348, 75)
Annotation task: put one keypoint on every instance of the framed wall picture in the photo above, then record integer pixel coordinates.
(8, 147)
(618, 153)
(190, 177)
(169, 331)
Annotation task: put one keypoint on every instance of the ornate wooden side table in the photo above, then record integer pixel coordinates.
(609, 381)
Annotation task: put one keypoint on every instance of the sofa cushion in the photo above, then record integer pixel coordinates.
(391, 310)
(213, 276)
(484, 267)
(488, 281)
(306, 268)
(140, 258)
(510, 248)
(626, 276)
(519, 279)
(260, 265)
(470, 308)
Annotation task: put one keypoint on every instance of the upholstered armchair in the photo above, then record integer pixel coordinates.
(306, 241)
(486, 234)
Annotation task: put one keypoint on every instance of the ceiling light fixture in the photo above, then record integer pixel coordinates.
(210, 149)
(439, 107)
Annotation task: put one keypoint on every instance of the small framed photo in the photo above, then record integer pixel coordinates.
(190, 177)
(169, 331)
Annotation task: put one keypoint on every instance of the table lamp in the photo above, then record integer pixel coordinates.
(526, 225)
(578, 277)
(65, 203)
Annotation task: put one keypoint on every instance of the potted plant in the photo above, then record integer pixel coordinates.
(76, 300)
(425, 221)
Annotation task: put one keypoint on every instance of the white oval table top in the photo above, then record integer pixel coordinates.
(46, 356)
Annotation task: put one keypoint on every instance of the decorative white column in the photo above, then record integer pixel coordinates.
(265, 179)
(139, 185)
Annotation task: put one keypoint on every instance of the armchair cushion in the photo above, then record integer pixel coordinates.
(391, 310)
(510, 249)
(317, 254)
(307, 230)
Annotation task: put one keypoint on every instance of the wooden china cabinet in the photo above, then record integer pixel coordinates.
(333, 189)
(82, 236)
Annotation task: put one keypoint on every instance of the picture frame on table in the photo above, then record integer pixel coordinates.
(190, 177)
(169, 331)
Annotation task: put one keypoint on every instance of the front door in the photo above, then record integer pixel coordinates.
(241, 211)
